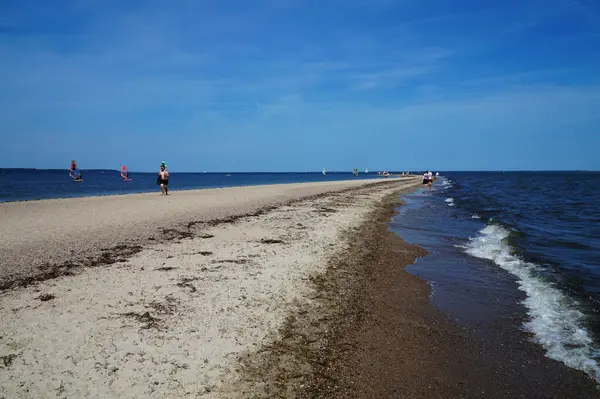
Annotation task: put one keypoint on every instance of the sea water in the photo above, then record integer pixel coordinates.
(504, 243)
(30, 184)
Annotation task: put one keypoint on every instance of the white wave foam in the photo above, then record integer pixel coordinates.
(445, 183)
(450, 201)
(554, 319)
(475, 216)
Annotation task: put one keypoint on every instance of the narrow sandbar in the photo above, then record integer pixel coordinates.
(179, 315)
(45, 238)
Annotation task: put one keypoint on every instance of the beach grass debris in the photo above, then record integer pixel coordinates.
(172, 234)
(271, 241)
(186, 282)
(239, 261)
(166, 307)
(325, 209)
(7, 360)
(46, 297)
(109, 256)
(145, 318)
(49, 271)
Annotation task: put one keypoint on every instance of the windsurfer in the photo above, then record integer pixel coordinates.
(74, 171)
(124, 172)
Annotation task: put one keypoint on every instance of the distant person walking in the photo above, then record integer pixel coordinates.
(163, 180)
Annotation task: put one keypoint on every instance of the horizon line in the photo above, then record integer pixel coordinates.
(318, 171)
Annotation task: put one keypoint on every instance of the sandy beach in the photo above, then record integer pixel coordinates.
(146, 296)
(294, 291)
(41, 239)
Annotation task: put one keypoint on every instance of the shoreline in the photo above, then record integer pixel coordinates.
(304, 297)
(391, 341)
(306, 360)
(369, 178)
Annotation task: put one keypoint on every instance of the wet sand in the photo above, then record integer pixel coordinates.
(388, 341)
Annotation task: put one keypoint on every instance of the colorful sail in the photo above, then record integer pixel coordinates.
(124, 172)
(74, 171)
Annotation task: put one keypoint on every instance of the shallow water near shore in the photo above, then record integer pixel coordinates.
(513, 254)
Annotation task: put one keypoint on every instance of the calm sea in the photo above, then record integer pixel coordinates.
(26, 184)
(504, 243)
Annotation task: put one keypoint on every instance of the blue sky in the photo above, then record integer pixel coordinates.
(291, 85)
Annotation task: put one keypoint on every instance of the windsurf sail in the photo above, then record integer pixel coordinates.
(124, 172)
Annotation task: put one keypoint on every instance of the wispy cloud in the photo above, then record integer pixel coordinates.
(304, 71)
(390, 78)
(410, 64)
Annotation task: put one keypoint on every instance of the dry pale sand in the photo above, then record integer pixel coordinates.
(174, 317)
(36, 235)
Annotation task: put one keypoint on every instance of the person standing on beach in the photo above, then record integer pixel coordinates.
(163, 180)
(426, 178)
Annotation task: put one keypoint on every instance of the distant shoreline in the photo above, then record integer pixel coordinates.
(203, 172)
(415, 171)
(52, 185)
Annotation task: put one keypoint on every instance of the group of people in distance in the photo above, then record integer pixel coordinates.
(428, 178)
